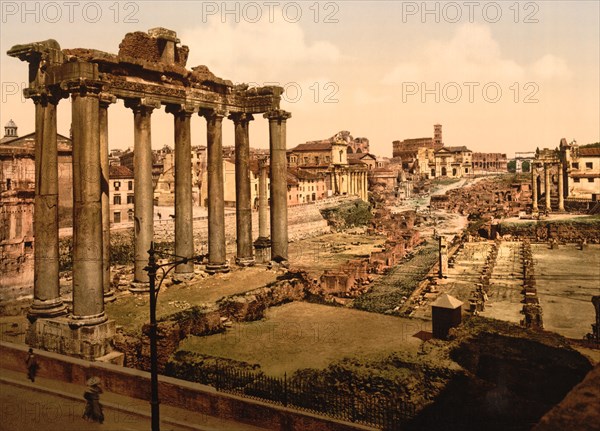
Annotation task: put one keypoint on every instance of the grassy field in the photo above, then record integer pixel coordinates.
(304, 335)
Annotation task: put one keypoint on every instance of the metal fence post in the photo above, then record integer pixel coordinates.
(285, 389)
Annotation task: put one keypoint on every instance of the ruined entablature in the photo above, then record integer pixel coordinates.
(151, 64)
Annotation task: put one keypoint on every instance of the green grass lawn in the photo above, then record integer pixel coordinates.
(304, 335)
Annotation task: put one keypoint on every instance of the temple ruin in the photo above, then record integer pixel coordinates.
(148, 72)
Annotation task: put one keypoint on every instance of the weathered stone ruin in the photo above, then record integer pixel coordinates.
(148, 72)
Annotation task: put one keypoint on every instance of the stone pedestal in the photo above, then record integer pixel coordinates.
(58, 335)
(262, 250)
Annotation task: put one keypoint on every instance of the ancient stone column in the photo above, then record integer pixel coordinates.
(262, 245)
(88, 289)
(547, 185)
(143, 189)
(534, 188)
(46, 287)
(243, 198)
(263, 200)
(105, 100)
(561, 193)
(277, 146)
(184, 226)
(217, 253)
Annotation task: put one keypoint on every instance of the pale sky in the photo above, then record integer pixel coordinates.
(500, 76)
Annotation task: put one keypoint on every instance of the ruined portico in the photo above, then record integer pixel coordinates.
(148, 72)
(548, 168)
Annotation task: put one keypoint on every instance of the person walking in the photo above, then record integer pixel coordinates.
(32, 365)
(93, 408)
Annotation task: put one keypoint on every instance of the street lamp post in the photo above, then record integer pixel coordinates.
(152, 270)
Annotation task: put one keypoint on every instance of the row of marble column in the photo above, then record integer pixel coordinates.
(91, 240)
(358, 184)
(547, 186)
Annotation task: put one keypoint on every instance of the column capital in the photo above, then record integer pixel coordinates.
(44, 96)
(263, 162)
(83, 87)
(212, 113)
(186, 109)
(143, 104)
(106, 99)
(277, 115)
(240, 117)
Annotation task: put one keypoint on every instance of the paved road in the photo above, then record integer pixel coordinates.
(26, 409)
(51, 405)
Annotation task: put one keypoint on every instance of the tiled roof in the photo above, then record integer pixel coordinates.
(590, 152)
(313, 146)
(119, 171)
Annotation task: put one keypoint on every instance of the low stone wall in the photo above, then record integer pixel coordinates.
(172, 392)
(200, 321)
(572, 230)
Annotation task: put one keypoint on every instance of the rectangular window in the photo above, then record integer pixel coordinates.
(575, 180)
(590, 180)
(117, 200)
(575, 165)
(117, 184)
(130, 185)
(589, 165)
(117, 217)
(130, 199)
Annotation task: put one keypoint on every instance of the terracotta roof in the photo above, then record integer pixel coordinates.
(119, 171)
(460, 149)
(590, 152)
(360, 156)
(291, 179)
(303, 174)
(313, 146)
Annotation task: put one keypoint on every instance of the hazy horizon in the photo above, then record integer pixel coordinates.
(499, 76)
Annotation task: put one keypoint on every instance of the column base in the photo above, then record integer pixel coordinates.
(182, 277)
(58, 335)
(262, 250)
(50, 308)
(245, 261)
(109, 296)
(139, 287)
(213, 268)
(90, 320)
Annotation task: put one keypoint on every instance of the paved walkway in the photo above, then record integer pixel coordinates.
(52, 405)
